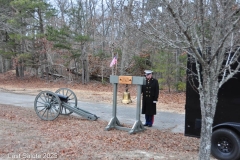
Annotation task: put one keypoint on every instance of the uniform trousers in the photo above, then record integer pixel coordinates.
(149, 119)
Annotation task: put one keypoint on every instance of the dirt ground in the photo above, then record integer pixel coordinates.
(24, 136)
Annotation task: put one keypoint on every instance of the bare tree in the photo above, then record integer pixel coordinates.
(209, 32)
(125, 47)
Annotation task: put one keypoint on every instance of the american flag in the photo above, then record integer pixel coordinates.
(114, 61)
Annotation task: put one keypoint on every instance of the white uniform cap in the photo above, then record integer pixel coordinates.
(148, 72)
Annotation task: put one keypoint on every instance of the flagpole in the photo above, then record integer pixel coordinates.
(113, 64)
(112, 67)
(116, 65)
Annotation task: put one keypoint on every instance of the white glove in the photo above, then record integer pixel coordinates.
(154, 101)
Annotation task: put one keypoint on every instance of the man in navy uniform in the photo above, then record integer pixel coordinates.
(150, 93)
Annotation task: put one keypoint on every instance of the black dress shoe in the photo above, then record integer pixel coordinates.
(149, 125)
(145, 125)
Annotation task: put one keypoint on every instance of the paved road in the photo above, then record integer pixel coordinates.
(126, 115)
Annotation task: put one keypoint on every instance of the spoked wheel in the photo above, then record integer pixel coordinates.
(72, 99)
(47, 105)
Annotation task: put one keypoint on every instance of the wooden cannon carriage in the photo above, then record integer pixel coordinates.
(48, 105)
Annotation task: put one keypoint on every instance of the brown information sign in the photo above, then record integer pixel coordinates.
(125, 79)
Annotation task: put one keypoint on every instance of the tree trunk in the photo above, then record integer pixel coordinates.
(41, 71)
(21, 70)
(177, 69)
(102, 72)
(36, 71)
(1, 64)
(17, 72)
(85, 74)
(84, 81)
(125, 55)
(168, 73)
(206, 129)
(208, 102)
(125, 50)
(47, 70)
(103, 28)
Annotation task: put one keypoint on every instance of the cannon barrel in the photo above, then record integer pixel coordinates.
(81, 112)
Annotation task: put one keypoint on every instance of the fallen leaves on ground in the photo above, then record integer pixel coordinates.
(72, 137)
(23, 134)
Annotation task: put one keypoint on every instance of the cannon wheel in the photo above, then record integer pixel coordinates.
(72, 99)
(47, 105)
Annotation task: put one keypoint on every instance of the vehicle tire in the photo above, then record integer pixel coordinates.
(225, 144)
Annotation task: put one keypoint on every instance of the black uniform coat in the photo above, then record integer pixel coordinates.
(150, 93)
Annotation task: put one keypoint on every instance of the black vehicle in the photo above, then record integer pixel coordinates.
(226, 125)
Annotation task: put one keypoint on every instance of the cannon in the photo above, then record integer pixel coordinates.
(49, 105)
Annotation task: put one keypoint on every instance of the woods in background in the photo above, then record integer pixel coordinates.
(51, 38)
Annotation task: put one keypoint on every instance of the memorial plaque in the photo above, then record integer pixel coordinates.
(125, 80)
